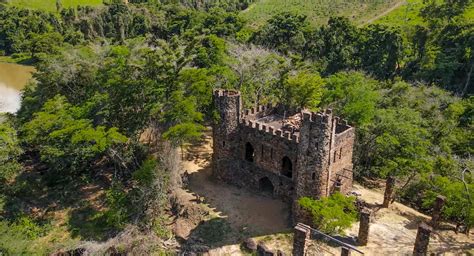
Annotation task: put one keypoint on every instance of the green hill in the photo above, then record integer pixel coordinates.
(50, 5)
(318, 11)
(407, 14)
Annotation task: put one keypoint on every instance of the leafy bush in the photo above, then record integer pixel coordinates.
(331, 214)
(10, 150)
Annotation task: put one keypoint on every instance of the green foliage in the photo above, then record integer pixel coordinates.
(302, 89)
(10, 150)
(380, 49)
(283, 32)
(459, 205)
(117, 213)
(16, 237)
(352, 95)
(331, 214)
(334, 45)
(66, 141)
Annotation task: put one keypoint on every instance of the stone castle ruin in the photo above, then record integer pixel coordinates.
(288, 154)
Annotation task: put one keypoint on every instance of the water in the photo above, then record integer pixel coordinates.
(13, 78)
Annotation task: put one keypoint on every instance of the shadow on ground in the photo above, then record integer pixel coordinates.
(74, 203)
(239, 213)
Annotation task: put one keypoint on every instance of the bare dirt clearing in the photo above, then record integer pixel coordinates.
(236, 214)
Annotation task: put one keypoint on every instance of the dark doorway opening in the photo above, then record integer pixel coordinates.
(249, 152)
(266, 186)
(286, 167)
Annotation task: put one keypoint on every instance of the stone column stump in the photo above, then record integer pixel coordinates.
(387, 196)
(301, 240)
(364, 225)
(345, 251)
(436, 215)
(422, 239)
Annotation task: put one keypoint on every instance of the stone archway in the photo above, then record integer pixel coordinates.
(266, 186)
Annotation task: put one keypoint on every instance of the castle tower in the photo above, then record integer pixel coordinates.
(225, 132)
(312, 172)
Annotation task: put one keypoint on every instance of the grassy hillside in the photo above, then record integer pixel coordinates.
(317, 11)
(407, 14)
(50, 5)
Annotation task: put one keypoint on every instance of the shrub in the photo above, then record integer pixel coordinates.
(331, 214)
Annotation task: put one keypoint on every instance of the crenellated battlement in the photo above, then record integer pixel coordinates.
(258, 110)
(226, 93)
(324, 116)
(268, 129)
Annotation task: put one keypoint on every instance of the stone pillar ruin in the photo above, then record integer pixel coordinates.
(436, 215)
(364, 225)
(345, 251)
(387, 196)
(422, 239)
(301, 240)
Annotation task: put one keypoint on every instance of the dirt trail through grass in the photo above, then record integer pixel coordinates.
(389, 10)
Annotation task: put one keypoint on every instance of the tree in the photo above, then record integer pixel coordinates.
(380, 50)
(284, 32)
(68, 143)
(334, 45)
(302, 90)
(353, 96)
(331, 214)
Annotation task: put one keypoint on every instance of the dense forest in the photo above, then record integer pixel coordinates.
(109, 76)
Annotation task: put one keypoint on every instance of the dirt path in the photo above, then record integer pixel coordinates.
(393, 230)
(389, 10)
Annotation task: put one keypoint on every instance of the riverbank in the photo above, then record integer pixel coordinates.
(13, 78)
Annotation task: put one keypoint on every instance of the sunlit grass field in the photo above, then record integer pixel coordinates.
(50, 5)
(318, 11)
(407, 14)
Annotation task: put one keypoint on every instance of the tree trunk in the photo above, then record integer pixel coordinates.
(389, 186)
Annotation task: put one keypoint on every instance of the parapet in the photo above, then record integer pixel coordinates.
(257, 110)
(226, 93)
(324, 116)
(266, 129)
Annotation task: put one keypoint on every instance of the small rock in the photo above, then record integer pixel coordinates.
(263, 250)
(250, 244)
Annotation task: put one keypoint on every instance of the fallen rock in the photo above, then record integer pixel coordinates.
(263, 250)
(250, 244)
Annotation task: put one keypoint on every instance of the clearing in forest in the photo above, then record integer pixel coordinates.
(218, 217)
(317, 11)
(50, 5)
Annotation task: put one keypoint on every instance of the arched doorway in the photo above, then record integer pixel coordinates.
(286, 167)
(249, 152)
(266, 186)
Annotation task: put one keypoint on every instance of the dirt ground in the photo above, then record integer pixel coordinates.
(247, 214)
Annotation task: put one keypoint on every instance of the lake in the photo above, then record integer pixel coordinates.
(13, 78)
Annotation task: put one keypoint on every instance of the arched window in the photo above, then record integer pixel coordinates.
(286, 167)
(249, 152)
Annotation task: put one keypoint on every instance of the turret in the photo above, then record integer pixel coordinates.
(225, 131)
(316, 135)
